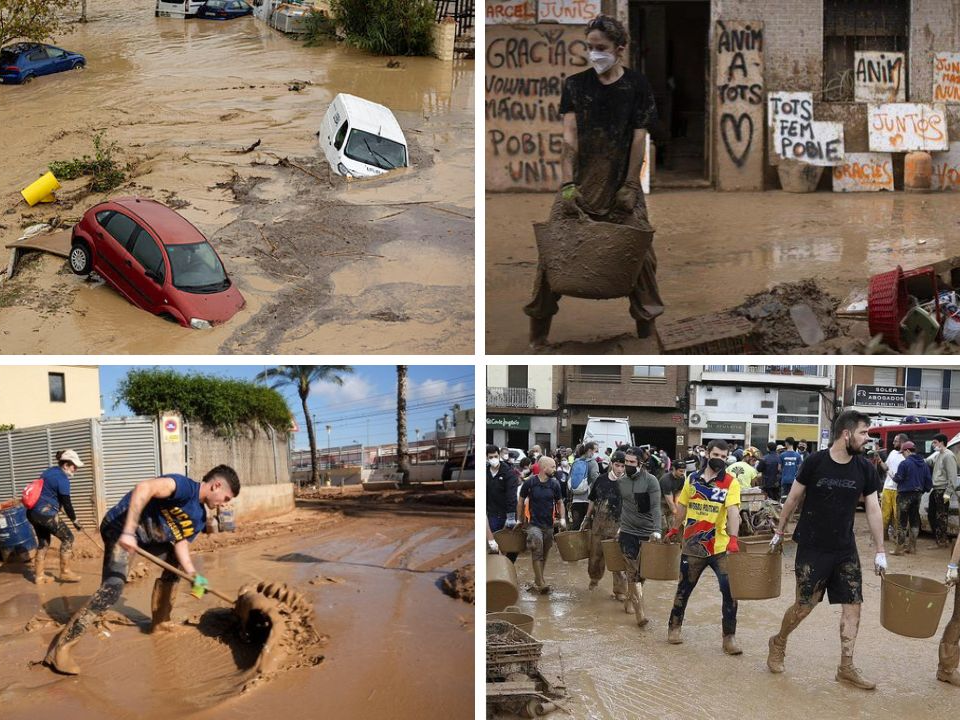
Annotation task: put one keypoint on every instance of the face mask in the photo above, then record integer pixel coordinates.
(493, 462)
(716, 464)
(631, 470)
(526, 473)
(602, 61)
(589, 456)
(564, 466)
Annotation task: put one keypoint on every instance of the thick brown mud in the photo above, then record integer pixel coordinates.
(378, 639)
(617, 671)
(326, 265)
(713, 251)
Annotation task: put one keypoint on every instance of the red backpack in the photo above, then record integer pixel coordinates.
(31, 493)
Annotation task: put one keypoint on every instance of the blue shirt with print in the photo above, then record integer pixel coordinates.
(178, 517)
(790, 464)
(55, 483)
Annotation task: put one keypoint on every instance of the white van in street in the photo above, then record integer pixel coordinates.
(177, 8)
(608, 432)
(361, 138)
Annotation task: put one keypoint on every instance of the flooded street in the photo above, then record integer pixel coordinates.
(326, 265)
(737, 244)
(393, 644)
(617, 671)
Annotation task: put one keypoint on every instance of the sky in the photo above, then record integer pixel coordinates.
(363, 410)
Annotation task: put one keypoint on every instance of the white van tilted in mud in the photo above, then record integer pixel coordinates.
(361, 138)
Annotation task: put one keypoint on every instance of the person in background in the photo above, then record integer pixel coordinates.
(944, 485)
(670, 484)
(790, 461)
(502, 485)
(769, 468)
(744, 470)
(888, 499)
(913, 479)
(583, 474)
(44, 517)
(874, 457)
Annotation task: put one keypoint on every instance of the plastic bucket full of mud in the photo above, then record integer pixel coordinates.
(502, 586)
(513, 616)
(911, 605)
(755, 575)
(660, 561)
(613, 556)
(511, 540)
(589, 259)
(573, 545)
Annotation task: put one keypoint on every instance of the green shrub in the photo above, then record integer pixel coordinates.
(387, 27)
(6, 427)
(104, 170)
(222, 404)
(317, 28)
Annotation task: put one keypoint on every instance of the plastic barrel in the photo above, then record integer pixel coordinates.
(917, 171)
(513, 616)
(41, 189)
(228, 521)
(502, 586)
(755, 575)
(660, 561)
(16, 532)
(911, 605)
(613, 556)
(512, 540)
(573, 545)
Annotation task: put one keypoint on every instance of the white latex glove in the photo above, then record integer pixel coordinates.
(775, 540)
(511, 521)
(880, 563)
(951, 578)
(655, 536)
(946, 495)
(494, 548)
(563, 523)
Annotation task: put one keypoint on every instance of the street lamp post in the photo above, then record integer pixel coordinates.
(329, 462)
(417, 457)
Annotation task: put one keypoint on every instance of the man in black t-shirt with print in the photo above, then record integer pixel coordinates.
(544, 502)
(830, 484)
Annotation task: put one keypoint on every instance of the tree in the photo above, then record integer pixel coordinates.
(302, 377)
(33, 20)
(403, 455)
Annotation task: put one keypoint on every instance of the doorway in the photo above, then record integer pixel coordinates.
(670, 45)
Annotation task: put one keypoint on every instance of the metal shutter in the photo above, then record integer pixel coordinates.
(77, 436)
(130, 454)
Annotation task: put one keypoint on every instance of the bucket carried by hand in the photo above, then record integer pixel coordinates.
(755, 573)
(613, 556)
(511, 540)
(660, 561)
(573, 545)
(590, 259)
(911, 605)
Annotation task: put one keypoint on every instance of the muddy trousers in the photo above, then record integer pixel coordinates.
(604, 528)
(937, 515)
(645, 302)
(48, 527)
(950, 642)
(691, 568)
(908, 512)
(888, 510)
(578, 510)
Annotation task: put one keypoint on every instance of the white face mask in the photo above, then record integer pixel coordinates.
(493, 462)
(602, 61)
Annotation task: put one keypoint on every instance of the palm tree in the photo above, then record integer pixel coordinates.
(302, 377)
(403, 456)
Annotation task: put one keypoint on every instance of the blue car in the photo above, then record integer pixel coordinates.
(224, 9)
(22, 62)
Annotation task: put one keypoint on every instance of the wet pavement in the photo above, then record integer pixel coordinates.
(617, 671)
(182, 99)
(395, 647)
(713, 250)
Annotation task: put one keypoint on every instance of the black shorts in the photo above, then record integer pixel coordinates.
(836, 573)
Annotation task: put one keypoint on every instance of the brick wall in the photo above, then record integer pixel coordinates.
(648, 392)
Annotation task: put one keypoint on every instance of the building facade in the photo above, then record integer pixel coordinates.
(521, 406)
(45, 394)
(757, 404)
(896, 393)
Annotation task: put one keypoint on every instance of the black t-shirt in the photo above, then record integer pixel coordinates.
(607, 116)
(605, 495)
(830, 503)
(543, 498)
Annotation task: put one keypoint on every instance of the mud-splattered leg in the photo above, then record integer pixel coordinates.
(950, 645)
(849, 627)
(690, 570)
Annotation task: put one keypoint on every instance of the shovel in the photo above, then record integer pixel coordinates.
(181, 573)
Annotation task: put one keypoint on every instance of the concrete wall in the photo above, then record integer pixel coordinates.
(256, 502)
(25, 394)
(444, 38)
(260, 457)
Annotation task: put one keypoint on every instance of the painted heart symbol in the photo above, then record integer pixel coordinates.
(739, 146)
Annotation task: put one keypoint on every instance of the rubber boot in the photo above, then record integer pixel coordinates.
(542, 583)
(539, 331)
(638, 610)
(537, 577)
(777, 653)
(58, 656)
(673, 635)
(645, 328)
(66, 574)
(161, 605)
(851, 675)
(949, 659)
(912, 544)
(38, 561)
(730, 646)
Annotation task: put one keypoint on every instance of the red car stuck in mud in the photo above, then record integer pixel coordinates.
(156, 259)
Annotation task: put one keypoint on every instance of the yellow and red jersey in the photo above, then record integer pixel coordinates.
(705, 526)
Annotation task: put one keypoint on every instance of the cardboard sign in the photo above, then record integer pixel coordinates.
(946, 77)
(797, 136)
(902, 127)
(511, 11)
(879, 77)
(568, 12)
(864, 172)
(946, 169)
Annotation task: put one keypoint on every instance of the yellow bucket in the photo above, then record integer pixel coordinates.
(41, 189)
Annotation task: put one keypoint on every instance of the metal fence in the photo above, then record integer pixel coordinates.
(508, 397)
(462, 11)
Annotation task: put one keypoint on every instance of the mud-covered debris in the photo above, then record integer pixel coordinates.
(389, 316)
(807, 324)
(460, 583)
(774, 329)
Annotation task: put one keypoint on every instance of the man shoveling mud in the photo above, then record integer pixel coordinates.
(163, 516)
(830, 484)
(607, 111)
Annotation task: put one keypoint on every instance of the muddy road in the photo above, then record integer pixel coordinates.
(617, 671)
(325, 265)
(393, 644)
(735, 244)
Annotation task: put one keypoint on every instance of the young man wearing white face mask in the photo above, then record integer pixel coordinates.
(607, 111)
(502, 485)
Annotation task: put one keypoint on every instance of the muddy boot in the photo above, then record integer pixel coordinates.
(730, 646)
(161, 605)
(38, 560)
(851, 675)
(777, 653)
(539, 330)
(899, 550)
(912, 542)
(673, 635)
(542, 585)
(638, 609)
(593, 585)
(645, 328)
(949, 660)
(58, 656)
(66, 574)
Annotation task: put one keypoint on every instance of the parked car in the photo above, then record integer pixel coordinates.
(156, 259)
(22, 62)
(224, 9)
(361, 138)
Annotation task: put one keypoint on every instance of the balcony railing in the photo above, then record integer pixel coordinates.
(791, 370)
(911, 398)
(506, 397)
